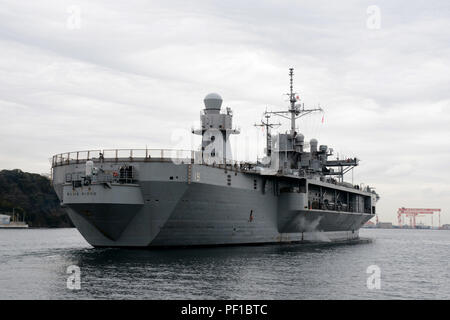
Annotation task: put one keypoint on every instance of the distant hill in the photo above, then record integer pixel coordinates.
(31, 194)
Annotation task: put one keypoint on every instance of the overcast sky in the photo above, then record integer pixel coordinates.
(77, 75)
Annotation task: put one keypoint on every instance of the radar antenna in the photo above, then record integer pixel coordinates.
(268, 126)
(296, 110)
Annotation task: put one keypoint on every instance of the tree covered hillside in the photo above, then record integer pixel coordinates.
(31, 194)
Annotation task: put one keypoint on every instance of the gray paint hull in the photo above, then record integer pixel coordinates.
(198, 206)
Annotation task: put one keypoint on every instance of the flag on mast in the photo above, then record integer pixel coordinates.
(323, 118)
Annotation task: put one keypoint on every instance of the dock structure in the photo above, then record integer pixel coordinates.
(414, 213)
(11, 222)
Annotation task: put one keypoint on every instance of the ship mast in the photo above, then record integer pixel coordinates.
(296, 110)
(268, 126)
(292, 100)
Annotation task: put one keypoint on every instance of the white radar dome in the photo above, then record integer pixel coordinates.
(213, 101)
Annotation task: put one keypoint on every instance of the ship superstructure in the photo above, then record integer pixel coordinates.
(148, 197)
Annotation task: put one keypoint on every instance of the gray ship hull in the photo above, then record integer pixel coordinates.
(195, 205)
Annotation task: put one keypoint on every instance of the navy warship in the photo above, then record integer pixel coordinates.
(162, 198)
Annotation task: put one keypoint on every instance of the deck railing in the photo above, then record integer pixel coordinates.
(115, 155)
(121, 155)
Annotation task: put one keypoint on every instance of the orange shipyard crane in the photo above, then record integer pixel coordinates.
(413, 213)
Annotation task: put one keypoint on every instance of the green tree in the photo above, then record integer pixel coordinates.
(33, 195)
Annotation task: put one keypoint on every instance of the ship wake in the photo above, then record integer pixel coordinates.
(311, 228)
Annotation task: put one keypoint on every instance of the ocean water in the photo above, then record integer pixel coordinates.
(413, 264)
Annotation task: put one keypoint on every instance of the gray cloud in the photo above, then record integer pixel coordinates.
(137, 71)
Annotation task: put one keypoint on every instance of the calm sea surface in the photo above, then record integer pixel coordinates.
(414, 264)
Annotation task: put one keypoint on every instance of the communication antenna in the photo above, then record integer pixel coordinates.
(296, 110)
(268, 126)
